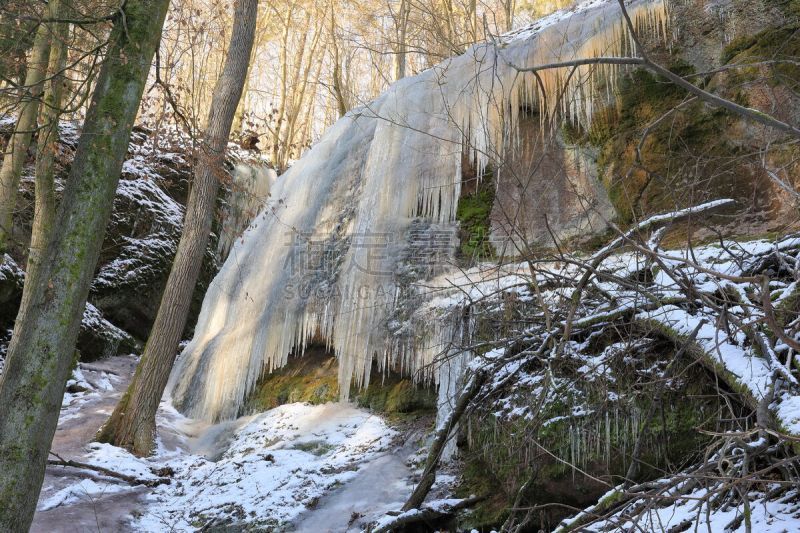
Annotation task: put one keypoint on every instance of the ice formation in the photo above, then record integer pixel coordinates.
(358, 219)
(248, 192)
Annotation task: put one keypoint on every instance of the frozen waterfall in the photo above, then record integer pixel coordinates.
(370, 209)
(248, 192)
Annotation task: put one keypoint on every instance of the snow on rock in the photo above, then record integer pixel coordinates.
(97, 337)
(492, 286)
(438, 506)
(81, 491)
(277, 465)
(81, 389)
(154, 221)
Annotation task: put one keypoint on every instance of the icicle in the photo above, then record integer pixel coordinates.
(249, 190)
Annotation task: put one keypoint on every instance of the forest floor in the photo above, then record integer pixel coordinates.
(298, 467)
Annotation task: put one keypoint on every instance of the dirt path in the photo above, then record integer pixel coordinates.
(81, 417)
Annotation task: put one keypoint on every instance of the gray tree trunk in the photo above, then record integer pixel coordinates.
(401, 31)
(132, 424)
(41, 352)
(17, 149)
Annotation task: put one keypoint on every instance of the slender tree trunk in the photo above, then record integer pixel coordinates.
(17, 149)
(42, 347)
(47, 146)
(279, 117)
(338, 82)
(401, 31)
(132, 424)
(292, 143)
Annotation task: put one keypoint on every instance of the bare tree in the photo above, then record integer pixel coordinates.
(132, 424)
(11, 169)
(47, 145)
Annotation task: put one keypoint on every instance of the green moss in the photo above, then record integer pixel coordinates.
(473, 214)
(280, 389)
(477, 479)
(689, 157)
(505, 454)
(313, 378)
(396, 396)
(315, 447)
(772, 43)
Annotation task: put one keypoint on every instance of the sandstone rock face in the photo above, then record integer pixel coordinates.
(546, 189)
(571, 184)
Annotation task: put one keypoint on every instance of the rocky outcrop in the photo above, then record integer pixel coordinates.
(140, 242)
(571, 184)
(546, 189)
(97, 337)
(313, 377)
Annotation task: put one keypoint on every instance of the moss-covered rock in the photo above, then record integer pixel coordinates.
(313, 378)
(473, 215)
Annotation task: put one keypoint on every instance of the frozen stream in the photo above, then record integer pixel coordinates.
(381, 486)
(297, 467)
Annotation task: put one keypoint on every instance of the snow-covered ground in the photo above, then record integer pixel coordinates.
(296, 467)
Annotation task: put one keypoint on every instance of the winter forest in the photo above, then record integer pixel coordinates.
(375, 266)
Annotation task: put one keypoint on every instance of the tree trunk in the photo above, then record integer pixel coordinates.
(428, 478)
(336, 59)
(401, 29)
(132, 424)
(17, 149)
(281, 112)
(42, 347)
(47, 146)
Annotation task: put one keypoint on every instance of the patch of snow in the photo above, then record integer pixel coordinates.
(277, 464)
(80, 491)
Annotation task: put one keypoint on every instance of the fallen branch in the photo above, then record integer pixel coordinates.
(429, 473)
(427, 514)
(154, 482)
(650, 224)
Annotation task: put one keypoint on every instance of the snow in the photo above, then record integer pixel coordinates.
(81, 390)
(489, 287)
(278, 464)
(85, 489)
(345, 221)
(441, 505)
(780, 515)
(265, 474)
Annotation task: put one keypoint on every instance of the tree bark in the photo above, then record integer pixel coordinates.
(41, 351)
(401, 30)
(471, 388)
(132, 424)
(47, 146)
(17, 149)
